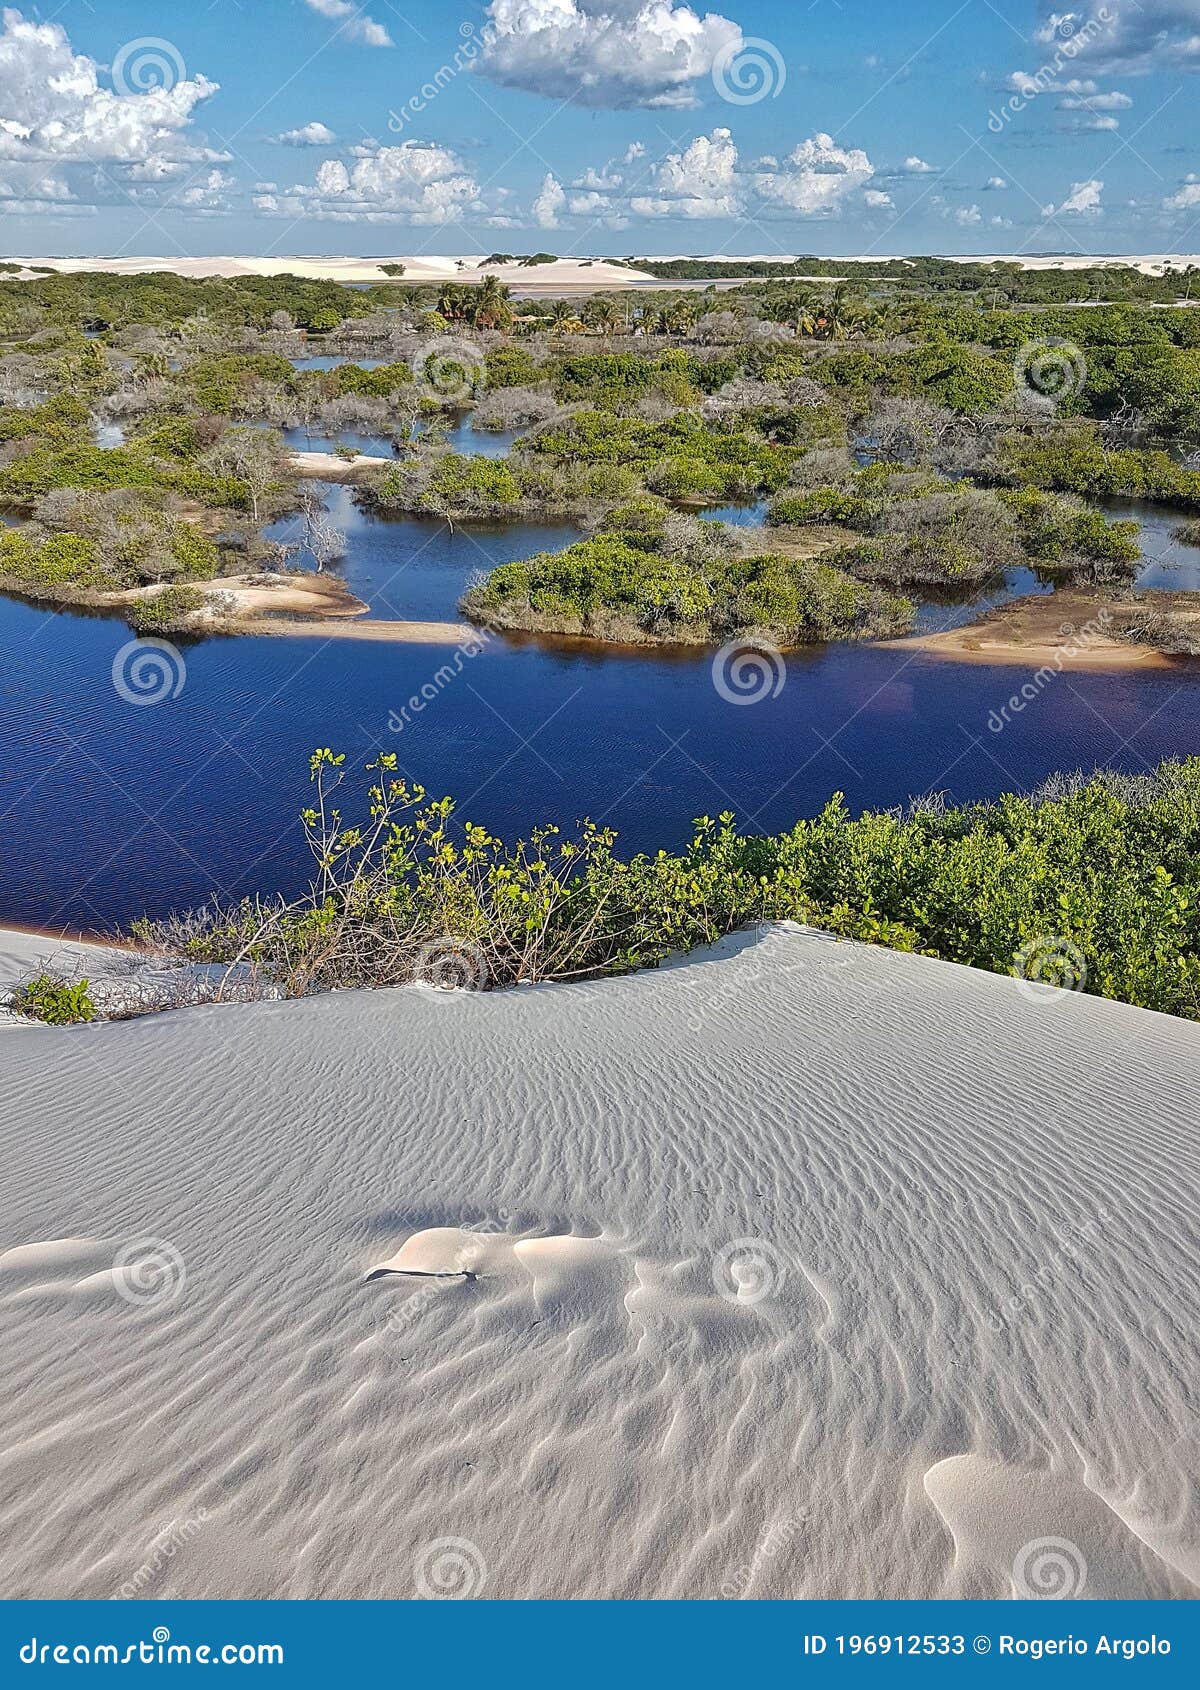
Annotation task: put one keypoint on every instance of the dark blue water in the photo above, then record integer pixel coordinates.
(463, 438)
(412, 569)
(739, 516)
(111, 809)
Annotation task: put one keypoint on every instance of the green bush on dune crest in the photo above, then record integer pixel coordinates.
(1103, 872)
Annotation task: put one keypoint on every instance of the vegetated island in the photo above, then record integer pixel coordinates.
(831, 563)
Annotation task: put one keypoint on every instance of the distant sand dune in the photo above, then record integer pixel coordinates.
(792, 1269)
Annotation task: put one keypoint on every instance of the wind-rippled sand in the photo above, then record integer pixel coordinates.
(797, 1269)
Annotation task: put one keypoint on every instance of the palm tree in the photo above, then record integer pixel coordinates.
(805, 307)
(490, 307)
(450, 302)
(560, 314)
(602, 313)
(680, 314)
(847, 315)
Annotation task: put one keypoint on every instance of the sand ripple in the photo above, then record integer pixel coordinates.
(803, 1270)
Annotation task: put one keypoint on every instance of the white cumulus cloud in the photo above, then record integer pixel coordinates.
(1188, 197)
(815, 177)
(1082, 201)
(69, 142)
(700, 181)
(708, 179)
(1146, 36)
(550, 200)
(55, 110)
(307, 135)
(355, 24)
(607, 53)
(1114, 100)
(411, 183)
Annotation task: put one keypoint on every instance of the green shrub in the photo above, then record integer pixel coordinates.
(378, 383)
(624, 585)
(62, 560)
(194, 551)
(1104, 873)
(1078, 462)
(167, 611)
(513, 366)
(822, 504)
(1057, 533)
(57, 1002)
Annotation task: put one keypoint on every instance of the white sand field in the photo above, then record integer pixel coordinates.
(794, 1269)
(572, 273)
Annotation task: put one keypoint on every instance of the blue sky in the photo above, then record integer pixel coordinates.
(599, 126)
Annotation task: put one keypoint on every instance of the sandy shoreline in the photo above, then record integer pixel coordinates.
(1066, 629)
(379, 629)
(760, 1291)
(331, 466)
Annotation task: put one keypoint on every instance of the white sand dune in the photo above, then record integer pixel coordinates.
(793, 1269)
(572, 273)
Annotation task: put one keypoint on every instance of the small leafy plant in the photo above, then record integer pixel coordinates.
(57, 1002)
